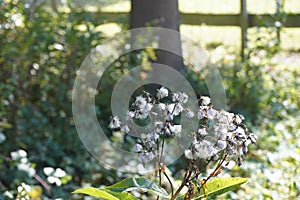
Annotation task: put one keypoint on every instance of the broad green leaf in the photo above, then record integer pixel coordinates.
(219, 186)
(96, 193)
(131, 183)
(105, 194)
(121, 195)
(118, 190)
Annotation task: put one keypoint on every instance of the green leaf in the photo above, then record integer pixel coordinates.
(66, 179)
(132, 183)
(219, 186)
(121, 195)
(118, 190)
(100, 193)
(105, 194)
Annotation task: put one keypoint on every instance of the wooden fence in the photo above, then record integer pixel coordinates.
(243, 20)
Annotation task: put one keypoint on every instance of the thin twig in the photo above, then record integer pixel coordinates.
(187, 175)
(44, 184)
(172, 189)
(211, 174)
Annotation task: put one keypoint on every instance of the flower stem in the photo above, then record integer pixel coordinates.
(172, 189)
(186, 177)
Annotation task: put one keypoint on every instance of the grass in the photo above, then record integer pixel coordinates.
(233, 6)
(219, 6)
(230, 36)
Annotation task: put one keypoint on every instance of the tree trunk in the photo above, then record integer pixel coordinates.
(159, 13)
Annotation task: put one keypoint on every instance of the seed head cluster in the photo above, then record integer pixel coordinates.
(218, 132)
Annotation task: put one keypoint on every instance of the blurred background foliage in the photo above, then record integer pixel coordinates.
(41, 155)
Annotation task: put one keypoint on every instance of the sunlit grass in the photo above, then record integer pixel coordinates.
(224, 6)
(292, 6)
(109, 29)
(290, 38)
(218, 6)
(123, 6)
(233, 6)
(205, 35)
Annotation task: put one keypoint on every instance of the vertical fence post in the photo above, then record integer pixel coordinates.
(244, 26)
(278, 12)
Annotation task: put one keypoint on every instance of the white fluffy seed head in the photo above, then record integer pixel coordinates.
(137, 148)
(188, 154)
(162, 92)
(205, 100)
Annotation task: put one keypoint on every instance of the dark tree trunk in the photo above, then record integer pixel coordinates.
(159, 13)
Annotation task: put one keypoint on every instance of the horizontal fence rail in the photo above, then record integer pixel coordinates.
(292, 20)
(244, 20)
